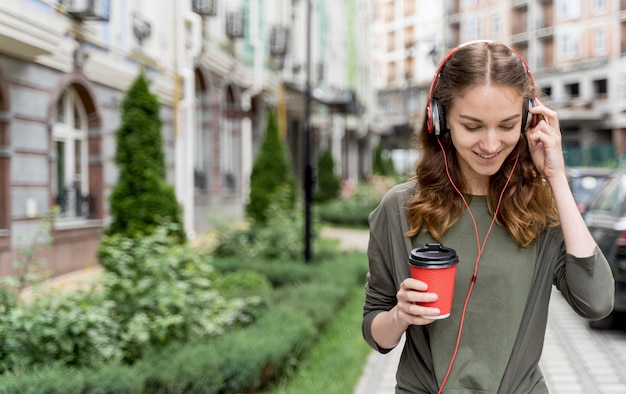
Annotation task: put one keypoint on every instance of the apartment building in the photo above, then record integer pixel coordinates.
(409, 43)
(216, 67)
(575, 49)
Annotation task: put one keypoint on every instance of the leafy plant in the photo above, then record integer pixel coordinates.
(278, 238)
(162, 292)
(28, 269)
(354, 209)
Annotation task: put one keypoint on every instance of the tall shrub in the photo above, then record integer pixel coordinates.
(271, 172)
(142, 199)
(328, 184)
(383, 163)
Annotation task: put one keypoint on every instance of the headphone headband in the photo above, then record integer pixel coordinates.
(436, 116)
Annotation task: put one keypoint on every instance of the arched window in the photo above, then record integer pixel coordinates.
(70, 174)
(202, 152)
(230, 143)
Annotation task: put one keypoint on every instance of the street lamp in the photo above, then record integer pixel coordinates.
(308, 169)
(141, 28)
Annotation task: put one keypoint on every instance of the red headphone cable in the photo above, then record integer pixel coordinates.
(480, 247)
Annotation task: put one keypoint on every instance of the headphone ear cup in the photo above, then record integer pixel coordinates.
(528, 119)
(438, 118)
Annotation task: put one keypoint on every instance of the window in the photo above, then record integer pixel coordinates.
(230, 144)
(569, 9)
(599, 40)
(600, 88)
(202, 136)
(471, 29)
(599, 6)
(608, 199)
(70, 175)
(572, 90)
(569, 46)
(496, 25)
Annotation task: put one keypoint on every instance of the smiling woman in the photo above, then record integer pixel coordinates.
(491, 184)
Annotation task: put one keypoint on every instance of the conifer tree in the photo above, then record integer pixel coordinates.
(381, 165)
(328, 184)
(142, 199)
(271, 174)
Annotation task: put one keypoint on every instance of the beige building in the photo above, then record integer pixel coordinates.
(574, 48)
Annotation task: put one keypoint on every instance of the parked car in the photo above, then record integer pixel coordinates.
(606, 219)
(585, 181)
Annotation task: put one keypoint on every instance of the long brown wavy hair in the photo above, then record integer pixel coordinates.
(527, 206)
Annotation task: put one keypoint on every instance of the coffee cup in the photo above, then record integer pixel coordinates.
(435, 265)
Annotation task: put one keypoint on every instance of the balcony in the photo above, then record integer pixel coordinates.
(75, 205)
(96, 10)
(545, 32)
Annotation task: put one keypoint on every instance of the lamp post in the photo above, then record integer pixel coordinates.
(308, 169)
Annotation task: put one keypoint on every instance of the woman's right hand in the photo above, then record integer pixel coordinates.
(412, 292)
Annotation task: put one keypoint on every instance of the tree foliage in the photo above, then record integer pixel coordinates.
(328, 184)
(383, 163)
(142, 199)
(271, 175)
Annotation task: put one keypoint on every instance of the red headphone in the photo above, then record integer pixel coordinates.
(436, 118)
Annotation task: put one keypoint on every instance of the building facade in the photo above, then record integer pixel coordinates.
(216, 66)
(575, 50)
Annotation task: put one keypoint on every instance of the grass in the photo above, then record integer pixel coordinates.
(336, 363)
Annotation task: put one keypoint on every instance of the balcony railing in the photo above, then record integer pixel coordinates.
(75, 205)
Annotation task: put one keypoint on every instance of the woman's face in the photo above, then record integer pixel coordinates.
(485, 125)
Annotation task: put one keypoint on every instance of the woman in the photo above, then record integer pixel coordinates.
(491, 184)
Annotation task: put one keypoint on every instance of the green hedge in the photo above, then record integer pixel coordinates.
(245, 359)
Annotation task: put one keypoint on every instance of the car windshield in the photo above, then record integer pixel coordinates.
(584, 187)
(608, 199)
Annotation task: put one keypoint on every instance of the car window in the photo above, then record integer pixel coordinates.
(584, 187)
(608, 198)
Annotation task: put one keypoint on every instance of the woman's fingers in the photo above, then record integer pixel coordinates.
(412, 293)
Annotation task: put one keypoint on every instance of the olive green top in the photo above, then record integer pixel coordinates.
(491, 320)
(506, 317)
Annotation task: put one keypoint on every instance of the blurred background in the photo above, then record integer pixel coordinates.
(348, 77)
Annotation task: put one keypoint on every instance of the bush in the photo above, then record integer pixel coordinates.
(354, 208)
(244, 359)
(278, 238)
(163, 292)
(153, 292)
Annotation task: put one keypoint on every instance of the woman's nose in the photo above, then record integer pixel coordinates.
(490, 141)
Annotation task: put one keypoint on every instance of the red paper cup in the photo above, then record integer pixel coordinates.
(435, 265)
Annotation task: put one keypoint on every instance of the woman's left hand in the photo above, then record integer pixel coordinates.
(544, 142)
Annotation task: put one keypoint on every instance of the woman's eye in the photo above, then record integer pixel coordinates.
(471, 127)
(507, 127)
